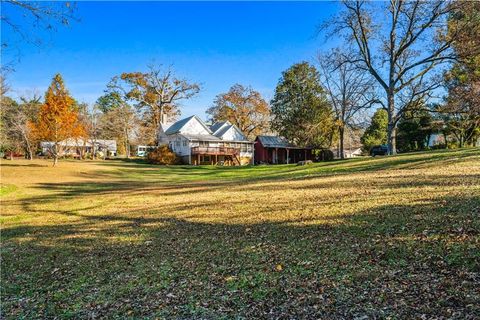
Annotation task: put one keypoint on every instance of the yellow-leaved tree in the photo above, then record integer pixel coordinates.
(58, 118)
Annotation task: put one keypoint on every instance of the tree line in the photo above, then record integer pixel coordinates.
(418, 68)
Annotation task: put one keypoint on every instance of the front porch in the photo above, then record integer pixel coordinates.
(287, 155)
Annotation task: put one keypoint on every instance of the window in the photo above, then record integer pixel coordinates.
(243, 147)
(203, 143)
(184, 143)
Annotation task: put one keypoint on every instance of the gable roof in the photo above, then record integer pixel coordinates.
(275, 142)
(217, 125)
(177, 126)
(220, 128)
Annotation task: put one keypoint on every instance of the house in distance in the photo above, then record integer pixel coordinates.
(197, 143)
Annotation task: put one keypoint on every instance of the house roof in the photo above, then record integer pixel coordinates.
(277, 142)
(177, 126)
(220, 128)
(220, 132)
(217, 125)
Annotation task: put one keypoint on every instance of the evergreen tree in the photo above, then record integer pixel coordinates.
(376, 133)
(300, 109)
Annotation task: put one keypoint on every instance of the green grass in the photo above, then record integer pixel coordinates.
(390, 237)
(6, 189)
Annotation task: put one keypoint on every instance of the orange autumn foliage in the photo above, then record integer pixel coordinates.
(58, 118)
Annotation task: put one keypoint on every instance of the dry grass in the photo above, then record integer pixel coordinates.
(390, 237)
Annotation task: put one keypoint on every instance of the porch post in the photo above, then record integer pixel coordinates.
(198, 159)
(287, 154)
(276, 155)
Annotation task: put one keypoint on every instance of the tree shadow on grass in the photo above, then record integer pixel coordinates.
(401, 261)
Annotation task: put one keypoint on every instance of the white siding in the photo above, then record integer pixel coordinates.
(180, 145)
(194, 127)
(233, 134)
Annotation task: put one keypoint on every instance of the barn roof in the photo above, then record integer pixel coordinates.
(277, 142)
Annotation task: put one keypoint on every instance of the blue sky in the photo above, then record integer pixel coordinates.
(216, 44)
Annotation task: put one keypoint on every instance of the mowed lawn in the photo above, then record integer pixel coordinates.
(391, 237)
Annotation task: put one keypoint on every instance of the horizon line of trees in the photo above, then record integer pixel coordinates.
(399, 67)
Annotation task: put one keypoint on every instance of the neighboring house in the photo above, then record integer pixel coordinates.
(274, 149)
(348, 153)
(436, 139)
(79, 147)
(197, 143)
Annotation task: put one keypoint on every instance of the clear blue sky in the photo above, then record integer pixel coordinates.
(216, 44)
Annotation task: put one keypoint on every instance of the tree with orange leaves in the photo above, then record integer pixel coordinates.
(58, 118)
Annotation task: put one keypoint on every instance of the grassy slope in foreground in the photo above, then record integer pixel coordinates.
(396, 236)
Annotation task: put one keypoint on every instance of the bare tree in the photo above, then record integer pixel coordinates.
(402, 49)
(41, 15)
(157, 94)
(17, 119)
(349, 89)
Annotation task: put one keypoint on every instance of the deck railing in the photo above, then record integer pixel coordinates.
(215, 150)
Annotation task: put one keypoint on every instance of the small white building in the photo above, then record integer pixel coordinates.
(348, 153)
(197, 143)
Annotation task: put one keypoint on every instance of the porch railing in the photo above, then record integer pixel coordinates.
(216, 150)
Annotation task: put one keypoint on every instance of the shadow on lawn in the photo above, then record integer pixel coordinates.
(402, 261)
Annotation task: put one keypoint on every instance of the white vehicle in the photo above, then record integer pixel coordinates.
(143, 150)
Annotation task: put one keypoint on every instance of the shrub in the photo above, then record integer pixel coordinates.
(325, 155)
(162, 155)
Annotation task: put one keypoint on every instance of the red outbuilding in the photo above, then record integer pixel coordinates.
(275, 150)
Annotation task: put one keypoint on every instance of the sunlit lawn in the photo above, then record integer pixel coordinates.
(387, 237)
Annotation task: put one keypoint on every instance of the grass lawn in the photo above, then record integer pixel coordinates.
(393, 237)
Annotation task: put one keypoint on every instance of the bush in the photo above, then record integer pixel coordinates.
(325, 155)
(162, 155)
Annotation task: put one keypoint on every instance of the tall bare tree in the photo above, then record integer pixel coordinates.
(157, 94)
(16, 119)
(245, 108)
(118, 119)
(402, 44)
(349, 89)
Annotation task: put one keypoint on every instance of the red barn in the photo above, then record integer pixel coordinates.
(274, 149)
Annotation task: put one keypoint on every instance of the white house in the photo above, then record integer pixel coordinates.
(197, 143)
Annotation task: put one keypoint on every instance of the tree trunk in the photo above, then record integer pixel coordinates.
(342, 138)
(127, 145)
(391, 129)
(55, 154)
